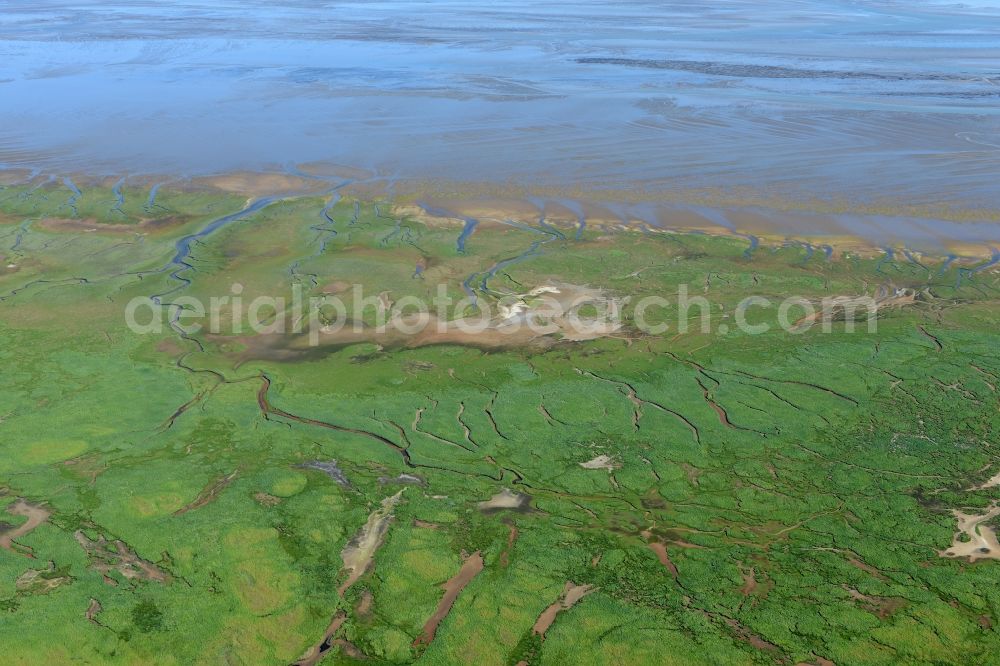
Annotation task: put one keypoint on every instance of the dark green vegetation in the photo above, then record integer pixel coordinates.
(775, 498)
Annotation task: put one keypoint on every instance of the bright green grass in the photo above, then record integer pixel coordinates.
(835, 484)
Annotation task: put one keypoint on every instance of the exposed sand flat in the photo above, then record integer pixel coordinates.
(562, 214)
(506, 499)
(359, 551)
(36, 514)
(539, 319)
(261, 184)
(601, 462)
(494, 196)
(485, 208)
(417, 213)
(979, 542)
(331, 170)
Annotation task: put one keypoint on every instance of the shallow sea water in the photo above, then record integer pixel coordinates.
(864, 101)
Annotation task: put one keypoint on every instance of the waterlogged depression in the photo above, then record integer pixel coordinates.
(865, 101)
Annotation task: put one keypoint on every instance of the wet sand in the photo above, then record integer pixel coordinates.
(833, 226)
(260, 184)
(845, 226)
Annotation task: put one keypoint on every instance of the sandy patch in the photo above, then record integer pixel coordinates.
(974, 540)
(359, 551)
(992, 482)
(506, 500)
(534, 319)
(336, 287)
(773, 220)
(262, 184)
(601, 462)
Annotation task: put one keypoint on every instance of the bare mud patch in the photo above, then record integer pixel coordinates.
(209, 493)
(571, 594)
(471, 567)
(883, 607)
(36, 514)
(314, 654)
(93, 226)
(266, 499)
(94, 609)
(40, 581)
(107, 556)
(403, 479)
